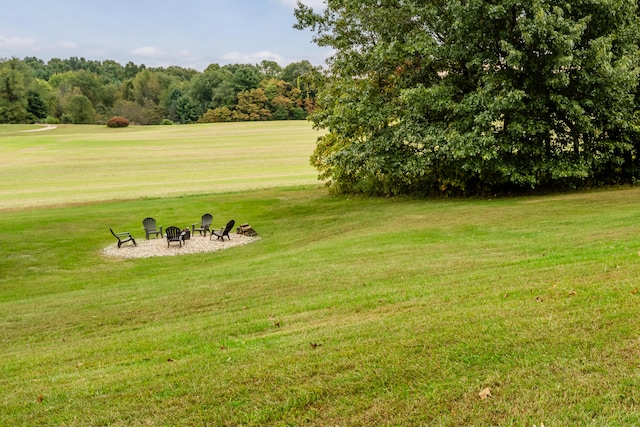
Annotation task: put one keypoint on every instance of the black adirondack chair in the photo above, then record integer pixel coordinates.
(123, 237)
(150, 227)
(205, 223)
(174, 234)
(223, 231)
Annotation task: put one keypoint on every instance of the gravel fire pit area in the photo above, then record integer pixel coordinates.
(158, 247)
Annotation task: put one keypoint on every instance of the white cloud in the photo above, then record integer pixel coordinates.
(67, 45)
(149, 51)
(15, 42)
(252, 58)
(315, 4)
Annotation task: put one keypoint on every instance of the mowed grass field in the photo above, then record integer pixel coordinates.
(93, 163)
(348, 311)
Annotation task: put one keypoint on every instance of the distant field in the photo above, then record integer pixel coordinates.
(74, 163)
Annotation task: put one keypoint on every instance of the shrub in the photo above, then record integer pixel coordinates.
(166, 122)
(117, 122)
(220, 114)
(50, 120)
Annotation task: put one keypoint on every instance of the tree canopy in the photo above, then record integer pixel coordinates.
(476, 97)
(77, 90)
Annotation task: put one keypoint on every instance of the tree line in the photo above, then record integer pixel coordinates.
(76, 90)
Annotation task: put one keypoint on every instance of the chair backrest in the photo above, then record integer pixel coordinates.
(114, 234)
(207, 219)
(172, 231)
(228, 228)
(149, 224)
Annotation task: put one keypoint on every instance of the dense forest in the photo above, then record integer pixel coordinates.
(77, 90)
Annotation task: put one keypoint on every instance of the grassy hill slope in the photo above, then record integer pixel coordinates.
(349, 311)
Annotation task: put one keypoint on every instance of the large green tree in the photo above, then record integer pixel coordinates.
(80, 110)
(15, 78)
(245, 77)
(87, 83)
(146, 87)
(292, 72)
(473, 96)
(203, 87)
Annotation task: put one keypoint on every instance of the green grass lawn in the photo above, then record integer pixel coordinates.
(349, 311)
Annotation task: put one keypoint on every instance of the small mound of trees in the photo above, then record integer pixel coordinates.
(117, 122)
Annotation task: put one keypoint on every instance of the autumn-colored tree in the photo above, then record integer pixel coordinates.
(220, 114)
(252, 105)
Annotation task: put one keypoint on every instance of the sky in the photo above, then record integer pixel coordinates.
(158, 33)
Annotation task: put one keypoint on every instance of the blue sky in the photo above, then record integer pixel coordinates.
(158, 33)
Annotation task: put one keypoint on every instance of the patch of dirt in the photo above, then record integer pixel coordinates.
(49, 127)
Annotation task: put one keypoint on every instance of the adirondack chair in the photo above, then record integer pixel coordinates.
(123, 237)
(223, 231)
(150, 227)
(174, 234)
(205, 223)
